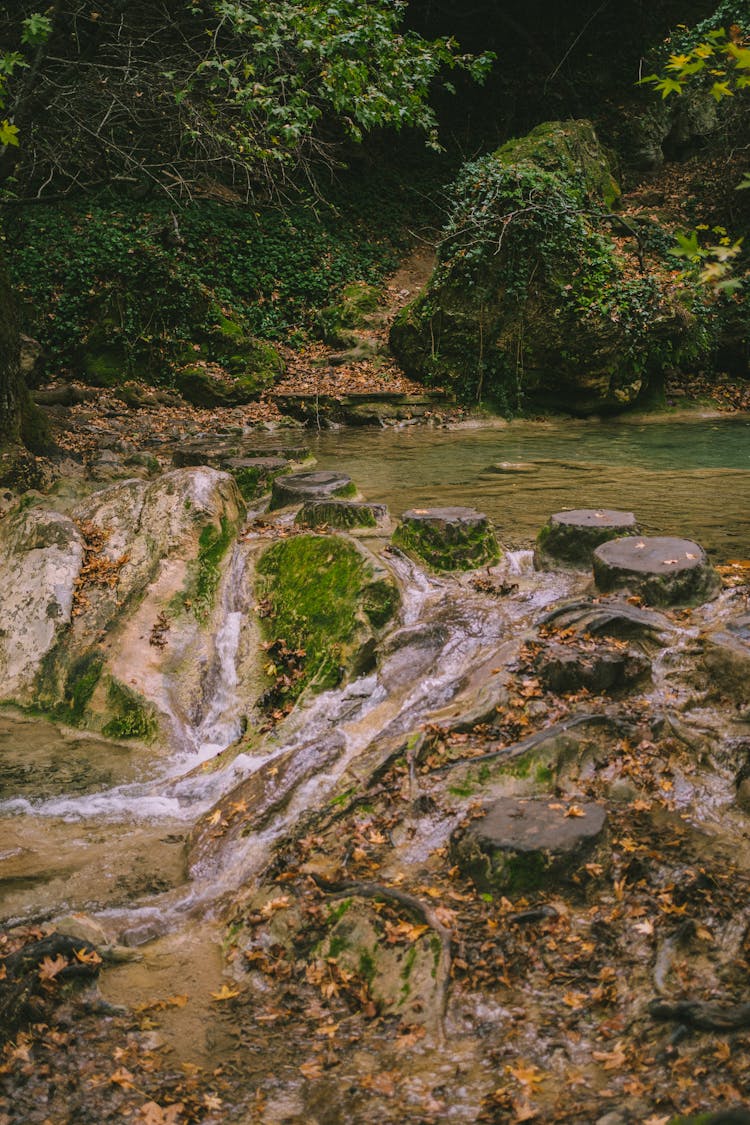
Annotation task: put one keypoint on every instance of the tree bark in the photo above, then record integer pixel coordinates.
(12, 389)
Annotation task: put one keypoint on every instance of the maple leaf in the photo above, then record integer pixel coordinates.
(151, 1113)
(613, 1059)
(311, 1069)
(122, 1077)
(226, 992)
(88, 956)
(49, 969)
(526, 1073)
(646, 927)
(575, 810)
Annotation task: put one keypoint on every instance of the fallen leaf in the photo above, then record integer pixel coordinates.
(226, 992)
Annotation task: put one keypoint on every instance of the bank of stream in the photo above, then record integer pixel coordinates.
(292, 933)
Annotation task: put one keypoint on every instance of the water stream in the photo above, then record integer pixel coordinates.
(689, 478)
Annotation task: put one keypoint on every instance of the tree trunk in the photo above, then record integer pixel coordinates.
(12, 390)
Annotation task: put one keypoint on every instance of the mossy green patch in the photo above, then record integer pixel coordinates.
(316, 588)
(132, 717)
(204, 572)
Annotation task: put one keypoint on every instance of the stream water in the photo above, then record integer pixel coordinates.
(689, 478)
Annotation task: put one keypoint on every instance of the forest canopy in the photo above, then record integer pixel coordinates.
(253, 93)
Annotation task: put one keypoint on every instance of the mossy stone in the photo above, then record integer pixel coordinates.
(323, 599)
(321, 484)
(448, 538)
(341, 514)
(522, 845)
(569, 539)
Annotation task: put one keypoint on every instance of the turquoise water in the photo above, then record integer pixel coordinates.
(689, 478)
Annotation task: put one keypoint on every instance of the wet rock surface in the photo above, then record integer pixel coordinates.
(663, 570)
(503, 846)
(448, 538)
(570, 538)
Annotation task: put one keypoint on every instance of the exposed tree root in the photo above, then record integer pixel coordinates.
(421, 910)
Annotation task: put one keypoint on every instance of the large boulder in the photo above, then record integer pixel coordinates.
(532, 301)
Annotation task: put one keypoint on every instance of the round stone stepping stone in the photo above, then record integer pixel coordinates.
(341, 514)
(318, 485)
(570, 538)
(448, 538)
(661, 569)
(522, 845)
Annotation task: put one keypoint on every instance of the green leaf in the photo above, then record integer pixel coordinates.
(8, 133)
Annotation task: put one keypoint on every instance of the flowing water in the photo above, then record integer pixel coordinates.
(688, 478)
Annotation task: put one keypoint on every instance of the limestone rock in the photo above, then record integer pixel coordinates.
(41, 554)
(522, 845)
(663, 570)
(319, 485)
(448, 538)
(569, 668)
(570, 538)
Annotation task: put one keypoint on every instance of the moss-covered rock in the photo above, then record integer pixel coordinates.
(531, 301)
(322, 598)
(341, 514)
(448, 538)
(233, 377)
(569, 539)
(335, 322)
(522, 845)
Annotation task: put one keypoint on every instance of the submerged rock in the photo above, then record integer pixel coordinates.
(662, 570)
(448, 538)
(521, 845)
(320, 485)
(570, 538)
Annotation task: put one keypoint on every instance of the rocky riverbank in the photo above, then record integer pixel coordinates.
(480, 852)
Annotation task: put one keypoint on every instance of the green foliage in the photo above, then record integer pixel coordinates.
(284, 65)
(721, 60)
(250, 92)
(529, 285)
(96, 278)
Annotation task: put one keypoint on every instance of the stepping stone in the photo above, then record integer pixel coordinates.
(340, 513)
(254, 474)
(318, 485)
(569, 538)
(204, 452)
(661, 569)
(522, 845)
(448, 538)
(512, 467)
